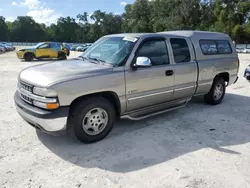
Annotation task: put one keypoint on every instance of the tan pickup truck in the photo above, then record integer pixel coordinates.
(132, 76)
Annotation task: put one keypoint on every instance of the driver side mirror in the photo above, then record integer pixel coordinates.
(142, 62)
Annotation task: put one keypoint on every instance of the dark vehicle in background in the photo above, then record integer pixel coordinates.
(2, 49)
(247, 73)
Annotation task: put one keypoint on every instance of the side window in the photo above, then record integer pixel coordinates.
(43, 46)
(224, 47)
(55, 46)
(208, 47)
(180, 50)
(155, 50)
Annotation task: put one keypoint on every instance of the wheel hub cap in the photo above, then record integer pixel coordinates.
(95, 121)
(218, 92)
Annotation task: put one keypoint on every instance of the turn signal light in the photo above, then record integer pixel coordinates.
(52, 106)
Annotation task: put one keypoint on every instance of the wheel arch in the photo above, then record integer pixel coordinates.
(27, 53)
(224, 75)
(111, 96)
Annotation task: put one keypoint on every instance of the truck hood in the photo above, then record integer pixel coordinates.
(59, 71)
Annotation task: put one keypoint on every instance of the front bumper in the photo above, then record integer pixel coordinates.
(20, 55)
(44, 120)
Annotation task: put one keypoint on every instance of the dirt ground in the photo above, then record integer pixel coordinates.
(197, 146)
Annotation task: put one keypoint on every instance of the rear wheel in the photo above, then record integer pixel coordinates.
(62, 56)
(29, 57)
(92, 119)
(217, 92)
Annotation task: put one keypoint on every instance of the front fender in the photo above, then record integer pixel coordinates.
(114, 82)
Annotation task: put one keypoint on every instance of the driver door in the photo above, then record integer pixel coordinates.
(54, 49)
(43, 50)
(150, 85)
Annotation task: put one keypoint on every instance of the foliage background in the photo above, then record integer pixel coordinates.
(228, 16)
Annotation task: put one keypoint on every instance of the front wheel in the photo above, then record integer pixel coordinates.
(217, 92)
(29, 57)
(93, 119)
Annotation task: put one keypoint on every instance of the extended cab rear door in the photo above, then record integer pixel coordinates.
(186, 68)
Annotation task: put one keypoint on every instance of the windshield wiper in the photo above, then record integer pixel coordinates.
(83, 58)
(100, 61)
(96, 59)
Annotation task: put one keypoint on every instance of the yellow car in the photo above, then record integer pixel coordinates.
(44, 50)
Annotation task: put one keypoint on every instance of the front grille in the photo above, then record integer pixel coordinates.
(26, 87)
(27, 95)
(27, 99)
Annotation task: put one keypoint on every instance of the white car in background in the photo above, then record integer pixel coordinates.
(240, 50)
(246, 50)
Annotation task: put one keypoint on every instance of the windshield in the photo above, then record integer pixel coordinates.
(37, 45)
(113, 50)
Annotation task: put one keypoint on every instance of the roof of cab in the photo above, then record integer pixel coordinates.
(130, 34)
(186, 33)
(191, 33)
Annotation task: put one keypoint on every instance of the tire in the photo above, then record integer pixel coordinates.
(214, 98)
(248, 78)
(28, 57)
(62, 56)
(85, 119)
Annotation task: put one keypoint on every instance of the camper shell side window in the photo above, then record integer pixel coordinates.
(215, 47)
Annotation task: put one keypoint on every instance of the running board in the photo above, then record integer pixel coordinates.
(153, 114)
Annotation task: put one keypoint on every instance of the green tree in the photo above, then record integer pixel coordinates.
(3, 29)
(232, 17)
(228, 16)
(25, 29)
(84, 29)
(138, 17)
(103, 24)
(67, 29)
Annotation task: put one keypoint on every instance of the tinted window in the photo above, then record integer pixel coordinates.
(44, 46)
(180, 50)
(155, 50)
(208, 47)
(55, 46)
(224, 47)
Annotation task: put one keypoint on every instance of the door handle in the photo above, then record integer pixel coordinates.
(169, 72)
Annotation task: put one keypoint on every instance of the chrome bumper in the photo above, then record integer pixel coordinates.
(46, 121)
(45, 125)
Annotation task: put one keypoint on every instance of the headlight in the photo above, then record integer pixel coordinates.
(44, 92)
(49, 106)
